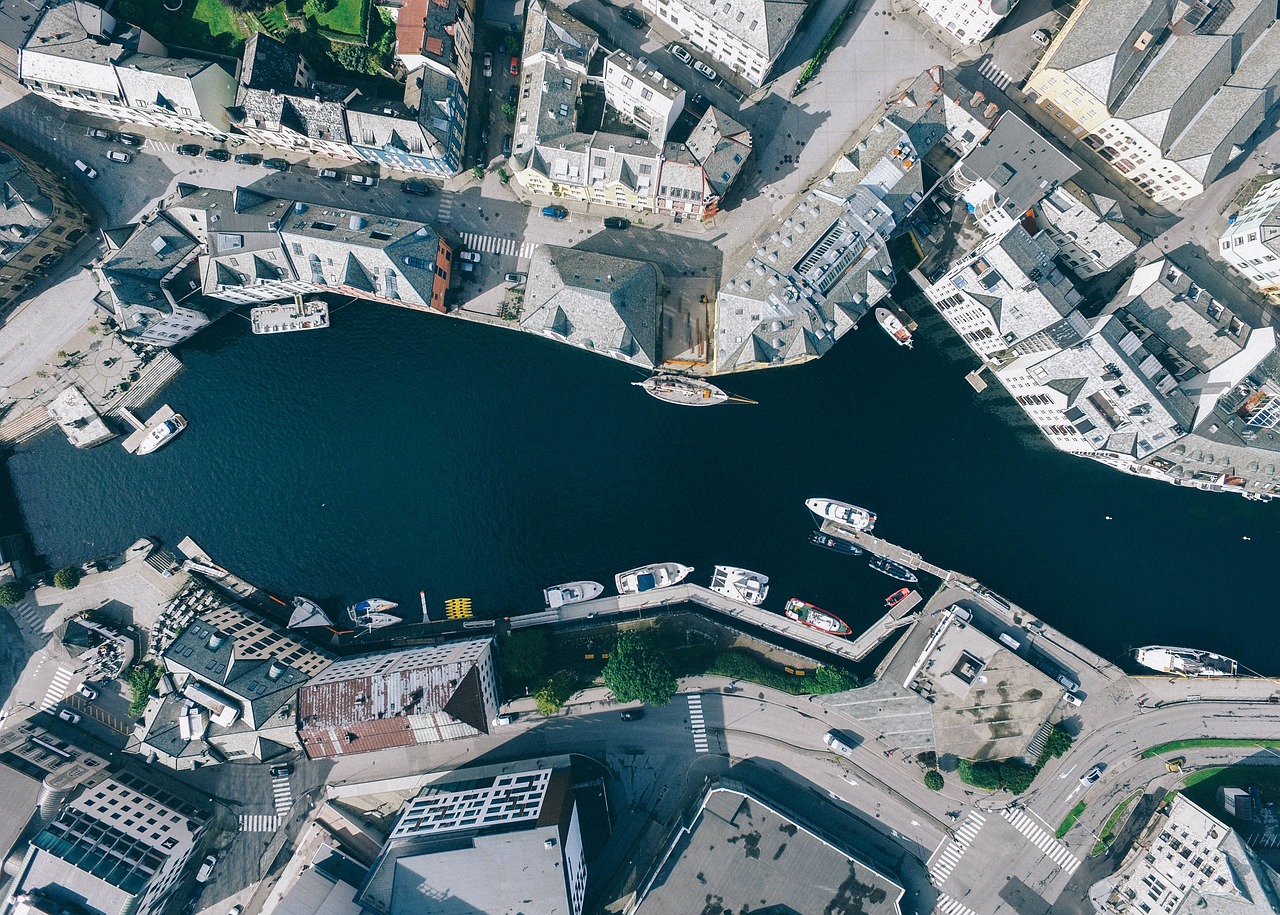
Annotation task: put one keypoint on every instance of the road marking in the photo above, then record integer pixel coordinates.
(57, 690)
(698, 725)
(952, 850)
(26, 612)
(259, 822)
(1058, 853)
(949, 906)
(444, 212)
(82, 705)
(491, 244)
(995, 75)
(281, 794)
(160, 145)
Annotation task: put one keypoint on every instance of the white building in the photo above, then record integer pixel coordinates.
(747, 36)
(642, 95)
(967, 22)
(1087, 228)
(1252, 243)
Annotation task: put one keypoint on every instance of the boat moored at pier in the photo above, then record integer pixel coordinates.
(1185, 662)
(740, 584)
(892, 569)
(679, 389)
(162, 433)
(647, 578)
(307, 613)
(835, 544)
(572, 592)
(372, 613)
(815, 618)
(893, 327)
(850, 516)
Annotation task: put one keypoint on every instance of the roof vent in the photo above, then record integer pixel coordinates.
(357, 222)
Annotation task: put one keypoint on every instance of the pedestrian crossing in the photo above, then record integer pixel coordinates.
(1058, 853)
(444, 212)
(491, 244)
(57, 690)
(954, 850)
(25, 613)
(698, 725)
(259, 822)
(160, 145)
(281, 794)
(995, 75)
(948, 906)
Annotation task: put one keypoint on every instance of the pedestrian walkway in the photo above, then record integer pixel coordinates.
(259, 822)
(954, 850)
(1058, 853)
(948, 906)
(444, 212)
(57, 690)
(697, 724)
(282, 794)
(491, 244)
(995, 75)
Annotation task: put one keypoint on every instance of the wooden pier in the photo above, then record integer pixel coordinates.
(890, 551)
(134, 440)
(901, 614)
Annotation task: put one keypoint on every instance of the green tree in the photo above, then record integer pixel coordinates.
(933, 780)
(556, 692)
(1059, 742)
(638, 670)
(354, 59)
(828, 679)
(478, 173)
(142, 679)
(525, 656)
(509, 111)
(985, 774)
(512, 44)
(1016, 776)
(67, 578)
(10, 593)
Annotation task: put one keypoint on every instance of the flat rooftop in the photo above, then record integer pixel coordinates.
(741, 855)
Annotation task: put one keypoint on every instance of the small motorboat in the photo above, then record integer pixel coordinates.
(649, 578)
(572, 593)
(835, 544)
(815, 618)
(896, 597)
(162, 433)
(740, 584)
(892, 569)
(842, 513)
(893, 327)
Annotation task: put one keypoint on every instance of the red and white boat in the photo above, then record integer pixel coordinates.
(816, 618)
(893, 327)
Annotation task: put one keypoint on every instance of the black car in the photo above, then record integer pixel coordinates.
(280, 165)
(190, 149)
(632, 714)
(616, 222)
(632, 18)
(129, 139)
(506, 144)
(217, 155)
(249, 159)
(513, 94)
(421, 188)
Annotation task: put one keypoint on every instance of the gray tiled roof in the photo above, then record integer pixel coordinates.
(135, 270)
(1097, 49)
(269, 64)
(1176, 85)
(1019, 163)
(721, 146)
(381, 125)
(438, 100)
(765, 25)
(550, 30)
(322, 120)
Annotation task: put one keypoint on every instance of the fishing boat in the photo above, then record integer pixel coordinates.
(893, 327)
(307, 613)
(892, 569)
(162, 433)
(647, 578)
(1185, 662)
(842, 513)
(815, 618)
(687, 392)
(896, 597)
(835, 544)
(740, 584)
(372, 613)
(572, 593)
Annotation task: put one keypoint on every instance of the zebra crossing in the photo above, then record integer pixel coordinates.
(444, 212)
(1058, 853)
(954, 850)
(948, 906)
(698, 725)
(491, 244)
(25, 613)
(995, 75)
(259, 822)
(57, 690)
(281, 794)
(160, 145)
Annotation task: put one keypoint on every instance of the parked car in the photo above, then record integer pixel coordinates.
(506, 144)
(206, 869)
(632, 714)
(88, 172)
(1041, 37)
(698, 102)
(1175, 764)
(280, 165)
(473, 256)
(555, 212)
(704, 70)
(421, 188)
(328, 174)
(67, 715)
(616, 222)
(116, 155)
(1072, 699)
(504, 719)
(87, 691)
(96, 133)
(513, 94)
(1091, 776)
(467, 266)
(129, 139)
(681, 55)
(281, 771)
(249, 159)
(632, 18)
(484, 139)
(190, 149)
(515, 66)
(363, 180)
(488, 66)
(217, 155)
(236, 910)
(515, 279)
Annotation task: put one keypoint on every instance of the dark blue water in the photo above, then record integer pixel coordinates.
(400, 451)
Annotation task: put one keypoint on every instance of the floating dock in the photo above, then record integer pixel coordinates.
(135, 438)
(284, 319)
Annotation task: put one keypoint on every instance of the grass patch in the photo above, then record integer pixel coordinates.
(1111, 825)
(208, 25)
(275, 18)
(346, 17)
(1196, 778)
(1174, 746)
(1070, 820)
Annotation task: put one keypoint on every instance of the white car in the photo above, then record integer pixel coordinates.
(704, 70)
(116, 155)
(206, 869)
(363, 180)
(68, 715)
(473, 256)
(488, 66)
(681, 55)
(84, 167)
(1041, 37)
(87, 691)
(1091, 776)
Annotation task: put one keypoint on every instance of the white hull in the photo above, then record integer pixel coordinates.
(751, 588)
(650, 578)
(1185, 662)
(307, 613)
(162, 433)
(371, 614)
(893, 327)
(842, 513)
(572, 593)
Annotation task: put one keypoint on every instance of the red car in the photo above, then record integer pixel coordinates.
(515, 66)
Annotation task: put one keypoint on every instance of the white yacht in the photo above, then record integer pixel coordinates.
(162, 433)
(572, 593)
(647, 578)
(740, 584)
(372, 613)
(1185, 662)
(842, 513)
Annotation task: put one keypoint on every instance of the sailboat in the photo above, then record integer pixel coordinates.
(307, 613)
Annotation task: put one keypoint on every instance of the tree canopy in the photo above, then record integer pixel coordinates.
(933, 780)
(525, 659)
(67, 578)
(638, 670)
(10, 593)
(556, 692)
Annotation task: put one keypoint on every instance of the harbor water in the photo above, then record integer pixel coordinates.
(397, 452)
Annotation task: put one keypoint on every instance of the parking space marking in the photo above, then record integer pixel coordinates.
(952, 851)
(102, 716)
(1058, 853)
(698, 725)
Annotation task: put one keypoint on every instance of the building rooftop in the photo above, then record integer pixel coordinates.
(1098, 55)
(1019, 164)
(763, 25)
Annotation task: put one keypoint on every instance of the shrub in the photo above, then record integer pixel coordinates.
(67, 578)
(639, 670)
(478, 173)
(1059, 742)
(984, 774)
(142, 679)
(10, 593)
(556, 692)
(933, 780)
(1016, 776)
(827, 679)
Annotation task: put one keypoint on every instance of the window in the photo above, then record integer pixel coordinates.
(627, 82)
(646, 94)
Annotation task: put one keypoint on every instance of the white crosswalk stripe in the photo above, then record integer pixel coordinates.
(259, 822)
(491, 244)
(948, 906)
(1040, 837)
(953, 850)
(997, 77)
(698, 725)
(445, 212)
(25, 613)
(161, 145)
(282, 794)
(57, 690)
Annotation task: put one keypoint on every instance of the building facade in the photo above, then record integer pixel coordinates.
(1251, 244)
(746, 36)
(965, 22)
